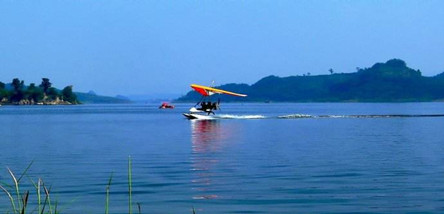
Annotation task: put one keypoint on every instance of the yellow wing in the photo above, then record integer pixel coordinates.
(208, 91)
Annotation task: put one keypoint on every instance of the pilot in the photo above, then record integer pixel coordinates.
(202, 104)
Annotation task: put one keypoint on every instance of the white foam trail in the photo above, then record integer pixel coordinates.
(302, 116)
(296, 116)
(290, 116)
(334, 116)
(231, 116)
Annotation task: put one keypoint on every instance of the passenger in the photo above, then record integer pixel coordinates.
(202, 106)
(208, 107)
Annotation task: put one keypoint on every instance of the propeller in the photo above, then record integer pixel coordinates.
(218, 104)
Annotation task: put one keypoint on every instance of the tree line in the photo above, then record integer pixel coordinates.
(18, 93)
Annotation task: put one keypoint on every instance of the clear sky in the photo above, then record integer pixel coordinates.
(142, 47)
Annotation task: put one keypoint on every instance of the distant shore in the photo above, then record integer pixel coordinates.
(27, 103)
(392, 81)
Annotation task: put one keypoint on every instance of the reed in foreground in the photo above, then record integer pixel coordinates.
(19, 200)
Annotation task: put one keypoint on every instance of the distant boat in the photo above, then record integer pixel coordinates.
(166, 105)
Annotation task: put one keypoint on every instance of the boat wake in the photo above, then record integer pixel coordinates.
(299, 116)
(231, 116)
(307, 116)
(296, 116)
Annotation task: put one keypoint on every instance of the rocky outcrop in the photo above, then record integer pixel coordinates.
(46, 101)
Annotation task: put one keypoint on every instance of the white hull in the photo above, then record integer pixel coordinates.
(194, 116)
(194, 110)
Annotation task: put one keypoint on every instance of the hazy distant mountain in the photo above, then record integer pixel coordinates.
(155, 97)
(392, 81)
(93, 98)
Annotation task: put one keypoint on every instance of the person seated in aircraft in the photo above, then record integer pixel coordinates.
(202, 106)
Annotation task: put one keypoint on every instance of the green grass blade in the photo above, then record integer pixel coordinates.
(55, 207)
(17, 191)
(11, 199)
(39, 198)
(25, 171)
(37, 188)
(48, 198)
(107, 194)
(130, 210)
(25, 202)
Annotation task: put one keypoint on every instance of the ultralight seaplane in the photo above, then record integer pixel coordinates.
(205, 110)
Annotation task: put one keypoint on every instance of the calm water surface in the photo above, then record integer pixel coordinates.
(331, 158)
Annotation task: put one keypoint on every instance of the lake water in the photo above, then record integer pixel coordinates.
(297, 158)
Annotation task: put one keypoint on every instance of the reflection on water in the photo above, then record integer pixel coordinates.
(208, 139)
(206, 136)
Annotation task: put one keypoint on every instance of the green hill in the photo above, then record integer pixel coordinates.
(391, 81)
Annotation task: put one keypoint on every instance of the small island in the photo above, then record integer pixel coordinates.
(17, 93)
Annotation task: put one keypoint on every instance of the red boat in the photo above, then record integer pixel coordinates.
(165, 106)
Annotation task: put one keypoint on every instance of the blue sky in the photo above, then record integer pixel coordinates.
(144, 47)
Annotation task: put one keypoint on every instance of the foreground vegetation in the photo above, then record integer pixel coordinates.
(17, 93)
(19, 200)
